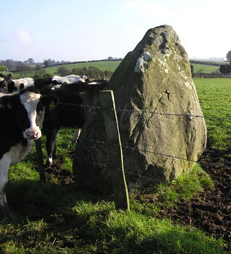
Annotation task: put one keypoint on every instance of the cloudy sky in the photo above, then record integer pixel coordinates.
(76, 30)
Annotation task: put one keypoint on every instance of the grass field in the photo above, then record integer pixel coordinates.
(215, 100)
(56, 218)
(102, 65)
(205, 68)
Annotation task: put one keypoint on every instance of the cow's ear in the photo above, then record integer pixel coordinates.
(8, 78)
(7, 101)
(50, 101)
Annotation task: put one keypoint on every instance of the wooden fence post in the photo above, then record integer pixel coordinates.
(39, 156)
(115, 150)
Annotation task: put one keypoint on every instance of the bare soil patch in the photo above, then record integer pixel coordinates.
(209, 210)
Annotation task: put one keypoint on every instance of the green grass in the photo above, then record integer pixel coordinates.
(97, 228)
(205, 68)
(102, 65)
(215, 100)
(56, 218)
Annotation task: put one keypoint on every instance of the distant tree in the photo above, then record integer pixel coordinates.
(41, 73)
(225, 68)
(94, 72)
(23, 68)
(10, 64)
(46, 63)
(192, 68)
(38, 67)
(49, 62)
(63, 71)
(228, 56)
(30, 61)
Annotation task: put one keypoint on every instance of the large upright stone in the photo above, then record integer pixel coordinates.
(157, 108)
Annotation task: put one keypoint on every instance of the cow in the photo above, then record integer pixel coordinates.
(9, 85)
(21, 115)
(75, 102)
(3, 83)
(16, 85)
(44, 82)
(57, 81)
(69, 79)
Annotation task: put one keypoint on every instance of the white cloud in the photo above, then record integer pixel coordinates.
(24, 37)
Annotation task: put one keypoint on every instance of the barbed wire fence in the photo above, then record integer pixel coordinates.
(149, 112)
(190, 116)
(144, 150)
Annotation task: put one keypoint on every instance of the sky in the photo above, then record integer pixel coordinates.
(83, 30)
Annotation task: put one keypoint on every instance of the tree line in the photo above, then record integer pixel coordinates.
(91, 72)
(12, 65)
(39, 72)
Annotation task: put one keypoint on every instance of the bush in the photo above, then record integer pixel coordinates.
(92, 72)
(225, 68)
(63, 71)
(3, 68)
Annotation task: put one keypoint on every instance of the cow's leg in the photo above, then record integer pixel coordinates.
(4, 166)
(51, 146)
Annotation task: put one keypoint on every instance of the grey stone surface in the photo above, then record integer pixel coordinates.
(157, 107)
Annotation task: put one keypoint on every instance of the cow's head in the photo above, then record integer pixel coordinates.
(28, 108)
(3, 83)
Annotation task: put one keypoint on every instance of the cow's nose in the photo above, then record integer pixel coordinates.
(32, 134)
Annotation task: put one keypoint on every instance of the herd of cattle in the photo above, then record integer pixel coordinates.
(30, 107)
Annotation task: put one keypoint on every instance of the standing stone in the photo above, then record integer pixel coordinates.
(161, 127)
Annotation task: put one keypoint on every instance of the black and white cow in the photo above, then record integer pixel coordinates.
(3, 83)
(57, 81)
(69, 79)
(75, 102)
(21, 115)
(9, 85)
(16, 85)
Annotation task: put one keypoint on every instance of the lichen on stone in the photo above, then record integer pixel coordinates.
(142, 62)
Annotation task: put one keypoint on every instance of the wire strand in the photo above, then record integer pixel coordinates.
(148, 112)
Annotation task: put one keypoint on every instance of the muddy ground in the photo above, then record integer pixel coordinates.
(211, 209)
